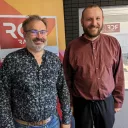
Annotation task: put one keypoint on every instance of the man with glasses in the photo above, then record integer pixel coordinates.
(31, 80)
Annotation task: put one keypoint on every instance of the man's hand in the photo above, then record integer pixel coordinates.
(72, 109)
(117, 109)
(65, 126)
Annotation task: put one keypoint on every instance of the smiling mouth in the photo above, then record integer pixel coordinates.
(38, 42)
(93, 28)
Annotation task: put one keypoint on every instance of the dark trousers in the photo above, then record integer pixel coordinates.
(99, 114)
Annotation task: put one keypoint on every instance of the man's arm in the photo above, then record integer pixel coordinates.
(64, 99)
(118, 92)
(6, 119)
(68, 71)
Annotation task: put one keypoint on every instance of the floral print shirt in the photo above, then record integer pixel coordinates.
(29, 92)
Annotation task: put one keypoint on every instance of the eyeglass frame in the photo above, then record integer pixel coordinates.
(35, 32)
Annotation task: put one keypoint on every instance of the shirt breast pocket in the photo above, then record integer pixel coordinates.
(109, 62)
(109, 65)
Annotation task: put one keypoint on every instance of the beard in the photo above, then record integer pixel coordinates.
(31, 43)
(92, 34)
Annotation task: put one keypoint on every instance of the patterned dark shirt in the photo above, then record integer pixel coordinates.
(29, 92)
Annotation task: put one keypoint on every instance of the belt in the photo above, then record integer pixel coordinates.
(42, 122)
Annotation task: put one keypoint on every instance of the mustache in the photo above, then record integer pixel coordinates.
(38, 39)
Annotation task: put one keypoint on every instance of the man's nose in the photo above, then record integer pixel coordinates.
(39, 35)
(94, 22)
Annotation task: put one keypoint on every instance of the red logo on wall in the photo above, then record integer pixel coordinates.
(110, 28)
(11, 32)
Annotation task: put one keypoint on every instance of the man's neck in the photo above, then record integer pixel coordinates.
(91, 39)
(36, 54)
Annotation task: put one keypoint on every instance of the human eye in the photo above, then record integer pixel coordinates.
(34, 31)
(89, 19)
(98, 18)
(43, 31)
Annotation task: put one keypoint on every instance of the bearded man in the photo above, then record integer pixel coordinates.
(93, 69)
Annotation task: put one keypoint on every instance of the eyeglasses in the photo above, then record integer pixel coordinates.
(35, 32)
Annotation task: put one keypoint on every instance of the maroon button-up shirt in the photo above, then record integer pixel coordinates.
(94, 69)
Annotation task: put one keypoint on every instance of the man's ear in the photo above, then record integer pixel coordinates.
(24, 34)
(103, 18)
(82, 22)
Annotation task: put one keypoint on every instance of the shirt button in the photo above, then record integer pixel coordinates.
(98, 78)
(95, 57)
(96, 68)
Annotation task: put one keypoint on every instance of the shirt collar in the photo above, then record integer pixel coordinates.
(89, 41)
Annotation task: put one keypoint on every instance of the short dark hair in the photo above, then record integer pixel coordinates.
(33, 18)
(91, 6)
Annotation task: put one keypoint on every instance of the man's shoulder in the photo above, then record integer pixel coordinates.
(74, 42)
(108, 37)
(15, 53)
(52, 56)
(110, 41)
(49, 53)
(12, 57)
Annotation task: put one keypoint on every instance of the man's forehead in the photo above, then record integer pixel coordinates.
(36, 25)
(93, 11)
